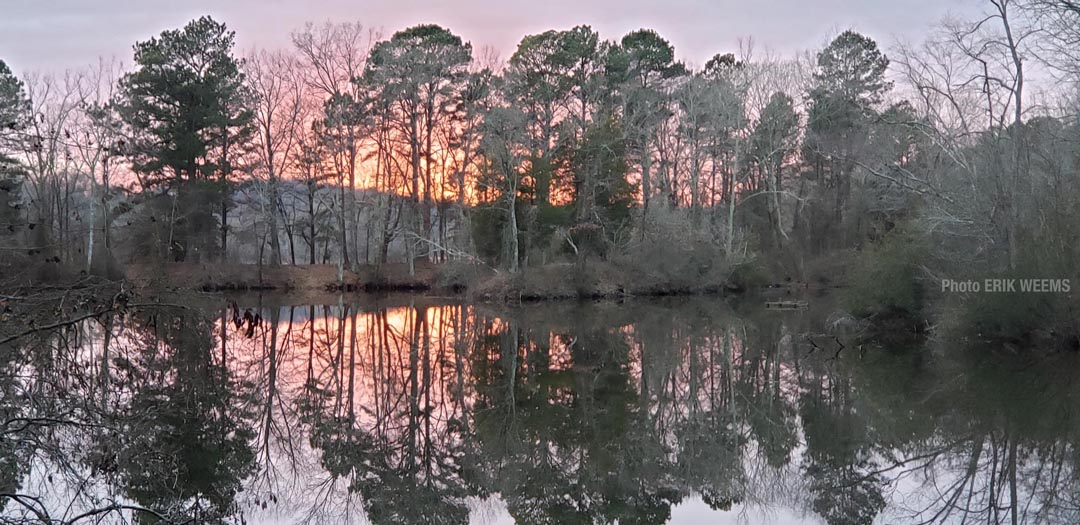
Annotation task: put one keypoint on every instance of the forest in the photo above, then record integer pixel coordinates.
(579, 166)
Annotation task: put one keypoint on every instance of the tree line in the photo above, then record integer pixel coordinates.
(353, 149)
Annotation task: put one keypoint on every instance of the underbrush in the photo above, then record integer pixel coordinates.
(884, 280)
(1045, 320)
(661, 259)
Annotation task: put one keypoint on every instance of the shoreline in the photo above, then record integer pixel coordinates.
(554, 282)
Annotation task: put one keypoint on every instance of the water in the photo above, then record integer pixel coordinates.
(421, 410)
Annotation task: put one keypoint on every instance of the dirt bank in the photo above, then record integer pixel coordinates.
(595, 280)
(287, 278)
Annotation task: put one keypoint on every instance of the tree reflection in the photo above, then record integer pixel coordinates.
(182, 441)
(414, 411)
(387, 418)
(14, 452)
(567, 442)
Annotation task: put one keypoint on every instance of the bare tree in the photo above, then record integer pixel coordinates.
(44, 147)
(334, 55)
(98, 143)
(282, 113)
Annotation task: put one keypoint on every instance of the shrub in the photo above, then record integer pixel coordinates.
(749, 275)
(1007, 315)
(884, 278)
(672, 254)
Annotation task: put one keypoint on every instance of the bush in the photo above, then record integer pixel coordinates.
(460, 275)
(488, 222)
(1007, 315)
(673, 254)
(749, 275)
(884, 279)
(1019, 315)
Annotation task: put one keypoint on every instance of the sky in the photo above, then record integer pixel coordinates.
(54, 35)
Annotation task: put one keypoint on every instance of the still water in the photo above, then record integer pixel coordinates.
(420, 410)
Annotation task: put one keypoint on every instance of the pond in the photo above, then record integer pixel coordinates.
(410, 409)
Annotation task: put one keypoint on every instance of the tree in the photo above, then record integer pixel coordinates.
(13, 102)
(603, 196)
(460, 156)
(649, 62)
(587, 57)
(1058, 43)
(335, 56)
(280, 114)
(711, 115)
(503, 135)
(42, 146)
(852, 70)
(538, 79)
(971, 95)
(848, 85)
(418, 70)
(190, 113)
(773, 140)
(14, 109)
(547, 77)
(342, 118)
(97, 141)
(309, 159)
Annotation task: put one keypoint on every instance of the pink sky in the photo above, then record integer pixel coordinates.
(53, 35)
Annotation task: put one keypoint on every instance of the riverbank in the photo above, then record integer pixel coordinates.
(594, 280)
(213, 277)
(987, 318)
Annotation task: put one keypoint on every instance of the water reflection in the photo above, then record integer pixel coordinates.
(410, 410)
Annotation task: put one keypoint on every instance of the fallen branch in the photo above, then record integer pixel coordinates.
(61, 324)
(457, 254)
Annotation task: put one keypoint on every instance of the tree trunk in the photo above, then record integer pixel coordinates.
(90, 240)
(342, 224)
(512, 234)
(311, 225)
(731, 202)
(275, 243)
(646, 182)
